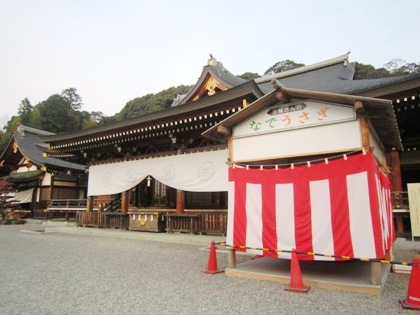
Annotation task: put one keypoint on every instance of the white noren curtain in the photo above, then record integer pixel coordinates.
(203, 171)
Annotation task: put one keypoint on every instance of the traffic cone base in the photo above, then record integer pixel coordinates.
(404, 304)
(305, 289)
(212, 272)
(212, 263)
(296, 282)
(413, 293)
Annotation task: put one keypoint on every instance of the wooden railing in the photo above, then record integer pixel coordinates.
(212, 222)
(65, 208)
(78, 204)
(185, 222)
(201, 222)
(195, 222)
(103, 220)
(116, 220)
(90, 219)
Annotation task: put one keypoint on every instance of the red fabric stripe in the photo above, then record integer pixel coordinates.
(269, 237)
(340, 217)
(303, 216)
(240, 219)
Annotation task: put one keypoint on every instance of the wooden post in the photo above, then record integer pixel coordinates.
(364, 125)
(393, 160)
(376, 273)
(231, 252)
(89, 204)
(125, 195)
(231, 258)
(180, 201)
(51, 189)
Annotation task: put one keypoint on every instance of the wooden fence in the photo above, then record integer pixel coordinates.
(201, 222)
(195, 222)
(103, 220)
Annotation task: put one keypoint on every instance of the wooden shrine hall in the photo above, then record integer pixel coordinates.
(158, 172)
(40, 182)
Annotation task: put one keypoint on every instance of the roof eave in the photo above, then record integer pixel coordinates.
(292, 72)
(242, 90)
(371, 105)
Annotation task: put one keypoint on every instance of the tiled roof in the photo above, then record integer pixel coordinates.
(29, 143)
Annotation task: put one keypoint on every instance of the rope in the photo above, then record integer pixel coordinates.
(382, 261)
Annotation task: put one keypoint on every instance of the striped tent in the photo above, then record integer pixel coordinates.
(336, 207)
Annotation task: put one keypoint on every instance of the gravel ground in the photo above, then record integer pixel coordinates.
(55, 273)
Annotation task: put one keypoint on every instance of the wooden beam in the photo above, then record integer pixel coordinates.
(282, 97)
(364, 125)
(393, 161)
(244, 103)
(223, 130)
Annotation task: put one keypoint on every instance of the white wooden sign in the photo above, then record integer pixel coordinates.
(301, 114)
(414, 205)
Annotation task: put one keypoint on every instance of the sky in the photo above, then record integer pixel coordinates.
(114, 51)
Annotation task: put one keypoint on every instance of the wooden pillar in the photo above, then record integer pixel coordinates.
(393, 161)
(125, 196)
(231, 251)
(364, 125)
(376, 273)
(231, 258)
(51, 189)
(35, 201)
(180, 201)
(89, 204)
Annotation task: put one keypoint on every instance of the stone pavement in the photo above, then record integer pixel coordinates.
(52, 226)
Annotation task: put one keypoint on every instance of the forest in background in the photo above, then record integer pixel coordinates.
(62, 113)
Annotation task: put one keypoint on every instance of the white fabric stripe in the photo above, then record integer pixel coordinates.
(322, 233)
(285, 219)
(231, 214)
(254, 224)
(361, 229)
(382, 211)
(383, 197)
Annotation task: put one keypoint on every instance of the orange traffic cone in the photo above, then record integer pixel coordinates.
(212, 263)
(296, 282)
(413, 295)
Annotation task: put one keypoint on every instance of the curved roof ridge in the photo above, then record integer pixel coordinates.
(35, 130)
(29, 143)
(343, 58)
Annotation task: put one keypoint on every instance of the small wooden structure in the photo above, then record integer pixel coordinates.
(147, 221)
(293, 127)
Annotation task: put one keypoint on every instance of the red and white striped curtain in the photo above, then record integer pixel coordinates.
(340, 207)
